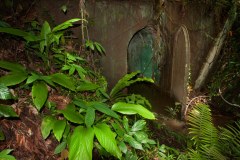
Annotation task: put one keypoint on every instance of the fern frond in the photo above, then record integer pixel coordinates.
(126, 81)
(204, 134)
(230, 140)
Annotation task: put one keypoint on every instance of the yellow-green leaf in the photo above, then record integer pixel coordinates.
(39, 94)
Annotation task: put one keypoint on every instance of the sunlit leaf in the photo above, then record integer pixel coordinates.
(7, 111)
(106, 138)
(58, 128)
(87, 86)
(90, 116)
(139, 125)
(39, 94)
(63, 80)
(32, 78)
(81, 144)
(123, 147)
(104, 108)
(130, 109)
(132, 142)
(4, 92)
(4, 155)
(13, 78)
(47, 126)
(66, 24)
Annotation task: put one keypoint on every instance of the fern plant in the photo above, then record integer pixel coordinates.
(210, 142)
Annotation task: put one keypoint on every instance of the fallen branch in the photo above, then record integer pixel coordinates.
(215, 50)
(231, 104)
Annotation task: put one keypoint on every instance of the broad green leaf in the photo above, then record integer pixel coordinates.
(47, 126)
(66, 67)
(81, 71)
(132, 142)
(123, 147)
(139, 125)
(129, 109)
(4, 155)
(126, 124)
(80, 103)
(14, 67)
(45, 31)
(66, 24)
(104, 108)
(90, 116)
(63, 80)
(13, 78)
(106, 138)
(81, 144)
(58, 129)
(87, 86)
(4, 92)
(7, 111)
(141, 137)
(126, 81)
(48, 80)
(60, 147)
(32, 78)
(71, 70)
(17, 32)
(71, 114)
(39, 94)
(118, 129)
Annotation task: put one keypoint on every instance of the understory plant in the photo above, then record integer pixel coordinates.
(210, 142)
(114, 124)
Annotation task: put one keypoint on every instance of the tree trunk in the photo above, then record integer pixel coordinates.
(215, 50)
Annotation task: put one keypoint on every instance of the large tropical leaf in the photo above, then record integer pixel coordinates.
(107, 139)
(58, 129)
(47, 126)
(90, 116)
(104, 108)
(66, 24)
(71, 114)
(63, 80)
(81, 144)
(126, 81)
(7, 111)
(130, 109)
(14, 67)
(39, 94)
(13, 78)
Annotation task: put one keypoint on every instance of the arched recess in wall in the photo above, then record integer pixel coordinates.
(146, 54)
(180, 65)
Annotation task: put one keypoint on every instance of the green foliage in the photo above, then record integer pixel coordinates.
(205, 136)
(107, 139)
(126, 81)
(7, 111)
(39, 94)
(81, 144)
(4, 155)
(63, 80)
(130, 109)
(95, 46)
(5, 94)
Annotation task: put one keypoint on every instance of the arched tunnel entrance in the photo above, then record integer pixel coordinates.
(148, 58)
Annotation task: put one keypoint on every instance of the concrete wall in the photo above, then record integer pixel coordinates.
(115, 23)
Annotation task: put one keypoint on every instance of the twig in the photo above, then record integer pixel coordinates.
(232, 104)
(185, 112)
